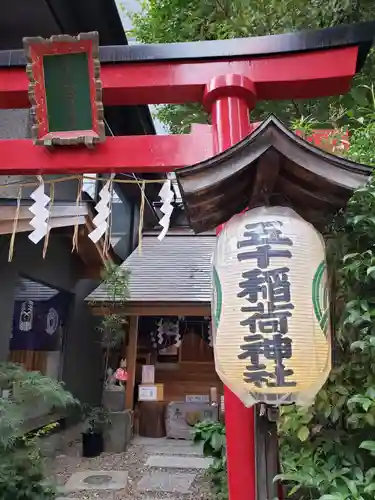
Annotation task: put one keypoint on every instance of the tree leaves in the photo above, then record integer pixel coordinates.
(368, 445)
(303, 433)
(21, 464)
(212, 434)
(335, 461)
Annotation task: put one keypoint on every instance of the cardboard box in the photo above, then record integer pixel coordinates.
(151, 392)
(148, 374)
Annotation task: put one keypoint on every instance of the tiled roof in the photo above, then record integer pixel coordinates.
(177, 269)
(33, 290)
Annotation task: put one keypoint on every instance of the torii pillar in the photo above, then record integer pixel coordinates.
(230, 98)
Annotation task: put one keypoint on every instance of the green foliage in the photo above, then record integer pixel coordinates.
(22, 475)
(115, 279)
(28, 389)
(363, 136)
(327, 450)
(161, 21)
(212, 434)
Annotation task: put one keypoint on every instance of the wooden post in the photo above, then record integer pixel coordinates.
(131, 358)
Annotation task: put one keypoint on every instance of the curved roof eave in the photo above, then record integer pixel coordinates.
(272, 165)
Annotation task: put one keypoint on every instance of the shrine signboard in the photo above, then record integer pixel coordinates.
(271, 308)
(65, 89)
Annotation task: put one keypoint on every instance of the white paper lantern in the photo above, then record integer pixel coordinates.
(270, 308)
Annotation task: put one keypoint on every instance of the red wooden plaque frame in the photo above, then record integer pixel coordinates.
(36, 48)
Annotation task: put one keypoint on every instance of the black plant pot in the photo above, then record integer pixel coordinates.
(92, 444)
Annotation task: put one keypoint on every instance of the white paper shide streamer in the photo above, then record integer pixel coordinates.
(209, 335)
(154, 341)
(160, 332)
(40, 212)
(166, 195)
(103, 211)
(168, 333)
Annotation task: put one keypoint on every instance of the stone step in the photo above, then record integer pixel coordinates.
(195, 451)
(166, 482)
(178, 462)
(105, 480)
(145, 441)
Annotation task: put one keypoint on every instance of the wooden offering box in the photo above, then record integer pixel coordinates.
(152, 419)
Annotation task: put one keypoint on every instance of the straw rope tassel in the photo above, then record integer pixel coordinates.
(108, 231)
(141, 217)
(46, 239)
(76, 225)
(15, 224)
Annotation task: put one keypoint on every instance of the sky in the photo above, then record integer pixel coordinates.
(133, 6)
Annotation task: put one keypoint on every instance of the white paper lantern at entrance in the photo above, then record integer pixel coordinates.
(270, 307)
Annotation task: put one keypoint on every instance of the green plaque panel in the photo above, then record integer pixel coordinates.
(67, 85)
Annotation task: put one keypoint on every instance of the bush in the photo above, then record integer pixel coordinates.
(327, 450)
(214, 445)
(22, 474)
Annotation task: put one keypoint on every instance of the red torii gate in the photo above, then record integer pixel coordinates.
(228, 77)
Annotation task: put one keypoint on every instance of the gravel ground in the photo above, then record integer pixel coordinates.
(133, 461)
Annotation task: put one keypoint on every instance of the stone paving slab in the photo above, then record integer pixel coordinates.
(144, 441)
(93, 494)
(96, 480)
(192, 450)
(110, 497)
(178, 462)
(167, 482)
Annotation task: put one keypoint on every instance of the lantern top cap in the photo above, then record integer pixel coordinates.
(270, 166)
(344, 35)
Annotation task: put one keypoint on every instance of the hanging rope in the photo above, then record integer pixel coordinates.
(79, 178)
(82, 177)
(46, 239)
(15, 224)
(76, 225)
(108, 231)
(141, 216)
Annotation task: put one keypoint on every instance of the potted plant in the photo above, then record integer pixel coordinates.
(96, 422)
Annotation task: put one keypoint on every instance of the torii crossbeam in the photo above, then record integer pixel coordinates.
(228, 77)
(291, 66)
